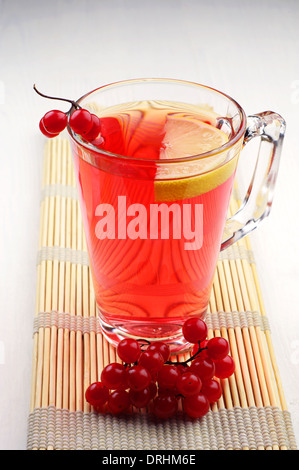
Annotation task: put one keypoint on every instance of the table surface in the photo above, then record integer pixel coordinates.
(249, 50)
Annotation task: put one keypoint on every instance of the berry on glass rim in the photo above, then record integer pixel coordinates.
(217, 348)
(97, 394)
(44, 130)
(128, 350)
(80, 121)
(95, 128)
(55, 121)
(195, 330)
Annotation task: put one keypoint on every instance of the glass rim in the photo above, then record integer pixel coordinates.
(229, 144)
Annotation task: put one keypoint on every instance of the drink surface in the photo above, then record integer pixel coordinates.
(159, 130)
(154, 241)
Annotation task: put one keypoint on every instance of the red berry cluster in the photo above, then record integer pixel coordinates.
(148, 379)
(81, 121)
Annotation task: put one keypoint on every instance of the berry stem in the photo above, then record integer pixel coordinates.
(73, 103)
(190, 358)
(144, 341)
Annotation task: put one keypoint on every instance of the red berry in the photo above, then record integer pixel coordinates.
(55, 121)
(168, 391)
(113, 376)
(100, 408)
(188, 384)
(202, 345)
(204, 368)
(195, 330)
(182, 368)
(118, 401)
(164, 406)
(161, 347)
(153, 389)
(124, 385)
(81, 121)
(218, 348)
(140, 398)
(151, 360)
(44, 130)
(225, 367)
(138, 377)
(95, 129)
(196, 406)
(128, 350)
(96, 394)
(212, 390)
(168, 376)
(154, 375)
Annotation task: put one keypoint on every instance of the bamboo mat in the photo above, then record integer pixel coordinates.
(69, 351)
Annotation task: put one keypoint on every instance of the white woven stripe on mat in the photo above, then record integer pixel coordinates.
(59, 253)
(58, 189)
(214, 321)
(235, 429)
(236, 252)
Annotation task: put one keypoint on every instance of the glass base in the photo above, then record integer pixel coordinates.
(169, 332)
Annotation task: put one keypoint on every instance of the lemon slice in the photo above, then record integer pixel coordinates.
(185, 188)
(184, 137)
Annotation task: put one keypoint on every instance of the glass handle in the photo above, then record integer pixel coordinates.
(257, 203)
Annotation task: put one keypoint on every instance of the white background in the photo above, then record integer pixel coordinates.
(248, 50)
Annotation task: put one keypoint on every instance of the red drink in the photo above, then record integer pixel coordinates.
(153, 238)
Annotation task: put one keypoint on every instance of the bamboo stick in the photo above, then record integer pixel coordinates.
(61, 299)
(67, 296)
(73, 305)
(42, 292)
(37, 343)
(79, 312)
(88, 338)
(53, 295)
(48, 291)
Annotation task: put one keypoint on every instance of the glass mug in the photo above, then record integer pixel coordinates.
(154, 190)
